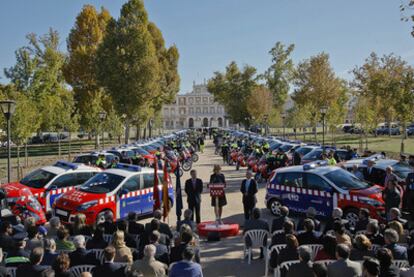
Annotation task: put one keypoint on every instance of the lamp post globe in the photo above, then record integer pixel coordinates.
(8, 108)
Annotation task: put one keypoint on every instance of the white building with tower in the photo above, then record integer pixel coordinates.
(194, 110)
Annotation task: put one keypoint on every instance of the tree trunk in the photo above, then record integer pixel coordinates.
(26, 156)
(18, 161)
(69, 146)
(145, 133)
(59, 146)
(137, 132)
(315, 133)
(96, 141)
(403, 137)
(127, 129)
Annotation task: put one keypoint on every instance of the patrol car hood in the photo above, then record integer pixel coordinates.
(13, 189)
(374, 192)
(73, 199)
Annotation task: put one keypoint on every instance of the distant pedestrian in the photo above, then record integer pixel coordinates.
(248, 190)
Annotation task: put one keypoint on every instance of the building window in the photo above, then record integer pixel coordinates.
(172, 112)
(219, 109)
(212, 110)
(198, 110)
(182, 101)
(191, 110)
(166, 111)
(182, 111)
(211, 100)
(205, 100)
(205, 110)
(198, 100)
(191, 100)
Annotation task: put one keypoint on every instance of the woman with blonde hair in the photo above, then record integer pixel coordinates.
(398, 227)
(218, 201)
(79, 226)
(362, 248)
(122, 254)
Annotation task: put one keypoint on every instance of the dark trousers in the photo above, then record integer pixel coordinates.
(248, 209)
(196, 210)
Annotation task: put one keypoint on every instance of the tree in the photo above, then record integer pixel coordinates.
(280, 74)
(80, 68)
(296, 117)
(406, 8)
(232, 89)
(259, 103)
(127, 62)
(317, 86)
(364, 115)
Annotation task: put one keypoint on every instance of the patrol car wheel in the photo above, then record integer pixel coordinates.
(194, 157)
(275, 206)
(101, 216)
(352, 216)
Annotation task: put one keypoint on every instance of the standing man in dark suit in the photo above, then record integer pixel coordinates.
(249, 190)
(369, 172)
(193, 189)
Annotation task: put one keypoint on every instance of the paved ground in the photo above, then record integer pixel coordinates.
(224, 258)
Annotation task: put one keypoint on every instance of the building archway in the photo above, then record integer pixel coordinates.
(190, 122)
(220, 122)
(205, 122)
(211, 122)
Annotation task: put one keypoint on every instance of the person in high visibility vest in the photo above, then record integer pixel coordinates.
(101, 161)
(331, 160)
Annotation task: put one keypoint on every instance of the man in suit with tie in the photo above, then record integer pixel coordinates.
(369, 172)
(193, 189)
(248, 189)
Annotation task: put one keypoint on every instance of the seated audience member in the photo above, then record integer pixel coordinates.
(18, 255)
(122, 254)
(33, 238)
(328, 250)
(373, 233)
(81, 256)
(363, 220)
(52, 227)
(370, 267)
(79, 226)
(177, 251)
(309, 236)
(155, 225)
(188, 214)
(50, 254)
(149, 266)
(256, 223)
(277, 223)
(129, 239)
(161, 251)
(398, 227)
(387, 269)
(6, 240)
(310, 214)
(304, 268)
(361, 248)
(61, 266)
(3, 270)
(108, 224)
(395, 215)
(97, 241)
(280, 238)
(62, 242)
(289, 253)
(164, 227)
(134, 227)
(186, 267)
(344, 267)
(340, 233)
(34, 268)
(109, 268)
(336, 215)
(319, 270)
(391, 239)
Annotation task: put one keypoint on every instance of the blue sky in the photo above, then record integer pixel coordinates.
(211, 33)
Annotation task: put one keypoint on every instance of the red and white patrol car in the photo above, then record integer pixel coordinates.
(49, 182)
(120, 190)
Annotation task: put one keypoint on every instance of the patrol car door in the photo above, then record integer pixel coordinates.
(129, 197)
(318, 194)
(148, 202)
(291, 192)
(59, 186)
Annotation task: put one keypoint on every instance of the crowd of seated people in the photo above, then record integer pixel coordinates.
(370, 248)
(115, 249)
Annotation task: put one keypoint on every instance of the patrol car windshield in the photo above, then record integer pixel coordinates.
(345, 180)
(37, 179)
(286, 147)
(313, 155)
(303, 150)
(141, 151)
(102, 183)
(401, 170)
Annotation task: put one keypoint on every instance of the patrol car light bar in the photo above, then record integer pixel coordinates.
(128, 167)
(314, 164)
(66, 164)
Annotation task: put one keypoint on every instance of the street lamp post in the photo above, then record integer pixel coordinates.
(283, 119)
(265, 117)
(102, 117)
(323, 111)
(8, 107)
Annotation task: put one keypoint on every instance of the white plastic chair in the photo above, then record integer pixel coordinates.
(285, 265)
(277, 232)
(277, 248)
(107, 238)
(12, 271)
(325, 262)
(98, 254)
(401, 263)
(258, 238)
(77, 270)
(315, 248)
